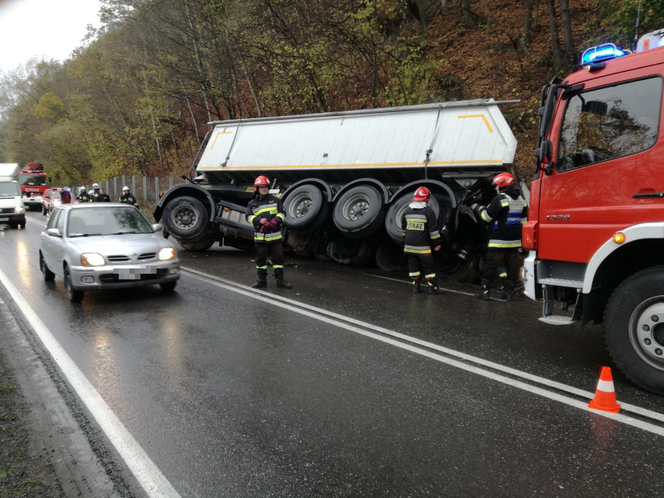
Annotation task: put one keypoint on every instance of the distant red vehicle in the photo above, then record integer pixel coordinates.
(32, 180)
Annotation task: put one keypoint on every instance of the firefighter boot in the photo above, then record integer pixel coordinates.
(509, 290)
(433, 286)
(281, 282)
(417, 288)
(262, 279)
(484, 293)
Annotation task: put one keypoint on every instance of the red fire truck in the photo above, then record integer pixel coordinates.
(33, 184)
(596, 229)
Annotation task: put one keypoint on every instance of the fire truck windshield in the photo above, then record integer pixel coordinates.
(33, 180)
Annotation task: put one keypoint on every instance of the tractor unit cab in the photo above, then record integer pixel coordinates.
(596, 226)
(33, 185)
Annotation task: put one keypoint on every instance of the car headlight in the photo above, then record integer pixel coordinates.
(19, 210)
(92, 259)
(166, 253)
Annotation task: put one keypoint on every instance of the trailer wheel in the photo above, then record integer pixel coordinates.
(306, 209)
(634, 328)
(390, 257)
(349, 252)
(185, 217)
(394, 214)
(360, 211)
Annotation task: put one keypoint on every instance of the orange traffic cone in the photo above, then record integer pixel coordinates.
(605, 395)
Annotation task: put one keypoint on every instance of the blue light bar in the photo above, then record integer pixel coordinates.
(601, 53)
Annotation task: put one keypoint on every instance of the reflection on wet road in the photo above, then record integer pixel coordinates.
(235, 396)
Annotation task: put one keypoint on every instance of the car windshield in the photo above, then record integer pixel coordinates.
(33, 180)
(106, 221)
(9, 189)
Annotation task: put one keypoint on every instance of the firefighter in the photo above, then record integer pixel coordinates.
(65, 195)
(83, 195)
(420, 231)
(266, 213)
(95, 196)
(507, 213)
(127, 198)
(103, 196)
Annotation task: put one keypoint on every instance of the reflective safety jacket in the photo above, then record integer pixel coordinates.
(420, 228)
(270, 209)
(84, 198)
(128, 199)
(95, 197)
(507, 213)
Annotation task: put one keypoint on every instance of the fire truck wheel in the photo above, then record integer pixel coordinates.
(306, 209)
(394, 214)
(359, 211)
(185, 217)
(634, 328)
(48, 275)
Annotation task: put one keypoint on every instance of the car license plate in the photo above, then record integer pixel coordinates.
(133, 273)
(3, 219)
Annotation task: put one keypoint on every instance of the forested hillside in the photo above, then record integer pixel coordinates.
(136, 97)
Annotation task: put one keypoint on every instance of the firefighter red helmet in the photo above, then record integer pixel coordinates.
(422, 194)
(261, 181)
(503, 180)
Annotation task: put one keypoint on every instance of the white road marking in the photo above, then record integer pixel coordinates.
(146, 472)
(344, 322)
(35, 222)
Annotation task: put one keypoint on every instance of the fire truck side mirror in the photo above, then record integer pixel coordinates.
(544, 152)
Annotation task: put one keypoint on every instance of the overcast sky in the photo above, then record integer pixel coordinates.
(48, 28)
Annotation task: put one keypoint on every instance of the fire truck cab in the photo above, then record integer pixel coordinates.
(595, 234)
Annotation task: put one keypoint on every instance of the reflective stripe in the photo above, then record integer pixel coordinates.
(435, 234)
(504, 203)
(485, 216)
(272, 237)
(281, 215)
(524, 221)
(505, 244)
(252, 218)
(414, 274)
(415, 251)
(430, 276)
(606, 386)
(261, 267)
(502, 275)
(416, 217)
(277, 267)
(270, 210)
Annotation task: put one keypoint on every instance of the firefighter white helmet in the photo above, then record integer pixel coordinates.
(95, 185)
(125, 188)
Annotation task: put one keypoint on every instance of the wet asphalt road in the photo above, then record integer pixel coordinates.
(233, 396)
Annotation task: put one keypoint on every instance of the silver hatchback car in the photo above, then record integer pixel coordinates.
(105, 246)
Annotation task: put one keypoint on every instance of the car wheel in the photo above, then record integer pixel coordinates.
(48, 275)
(168, 286)
(360, 211)
(185, 217)
(306, 209)
(394, 214)
(74, 295)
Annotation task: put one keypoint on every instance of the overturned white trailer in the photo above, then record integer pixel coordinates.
(344, 177)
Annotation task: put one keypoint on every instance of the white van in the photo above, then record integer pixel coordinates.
(12, 209)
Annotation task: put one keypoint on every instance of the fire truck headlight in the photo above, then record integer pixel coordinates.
(619, 238)
(92, 259)
(19, 210)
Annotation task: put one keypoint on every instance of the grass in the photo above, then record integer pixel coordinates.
(6, 389)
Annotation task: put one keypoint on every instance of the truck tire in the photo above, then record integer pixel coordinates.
(360, 211)
(349, 252)
(306, 209)
(393, 218)
(200, 244)
(185, 218)
(634, 328)
(390, 258)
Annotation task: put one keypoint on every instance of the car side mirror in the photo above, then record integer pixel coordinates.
(157, 227)
(53, 232)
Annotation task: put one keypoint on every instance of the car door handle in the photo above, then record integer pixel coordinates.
(649, 194)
